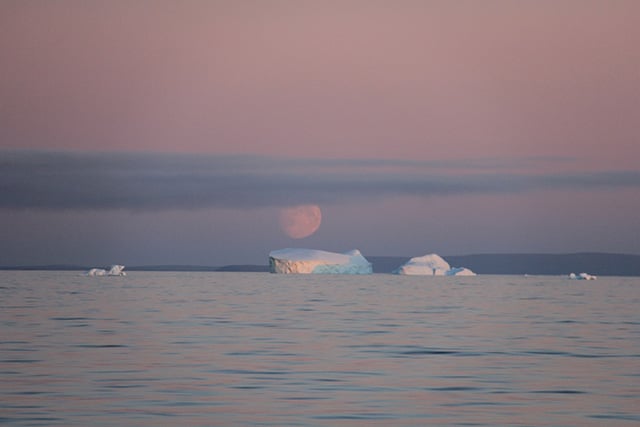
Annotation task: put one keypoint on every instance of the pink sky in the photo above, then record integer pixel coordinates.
(415, 80)
(433, 79)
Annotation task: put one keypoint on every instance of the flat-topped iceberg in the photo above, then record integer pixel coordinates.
(431, 265)
(114, 270)
(312, 261)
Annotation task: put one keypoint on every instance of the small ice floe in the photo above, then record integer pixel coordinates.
(582, 276)
(114, 270)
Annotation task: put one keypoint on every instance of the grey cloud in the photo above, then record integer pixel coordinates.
(143, 181)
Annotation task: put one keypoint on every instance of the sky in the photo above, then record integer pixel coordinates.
(176, 132)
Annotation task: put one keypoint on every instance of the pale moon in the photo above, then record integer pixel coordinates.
(301, 221)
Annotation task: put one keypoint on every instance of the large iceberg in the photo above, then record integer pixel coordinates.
(312, 261)
(431, 265)
(114, 270)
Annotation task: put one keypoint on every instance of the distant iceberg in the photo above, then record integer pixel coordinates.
(460, 271)
(114, 270)
(431, 265)
(582, 276)
(312, 261)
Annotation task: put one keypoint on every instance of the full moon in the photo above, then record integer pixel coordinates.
(301, 221)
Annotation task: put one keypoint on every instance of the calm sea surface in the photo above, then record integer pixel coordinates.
(257, 349)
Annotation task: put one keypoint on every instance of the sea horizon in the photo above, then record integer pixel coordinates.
(554, 264)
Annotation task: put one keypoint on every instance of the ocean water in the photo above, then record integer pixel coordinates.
(256, 349)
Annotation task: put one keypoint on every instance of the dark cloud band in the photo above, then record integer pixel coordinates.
(136, 181)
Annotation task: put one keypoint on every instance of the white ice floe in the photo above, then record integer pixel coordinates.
(312, 261)
(582, 276)
(431, 265)
(114, 270)
(460, 271)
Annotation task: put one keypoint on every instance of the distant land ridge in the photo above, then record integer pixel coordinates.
(604, 264)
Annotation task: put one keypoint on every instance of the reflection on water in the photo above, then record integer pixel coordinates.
(254, 349)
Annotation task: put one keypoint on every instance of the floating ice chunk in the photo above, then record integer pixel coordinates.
(582, 276)
(460, 271)
(431, 265)
(96, 272)
(312, 261)
(114, 270)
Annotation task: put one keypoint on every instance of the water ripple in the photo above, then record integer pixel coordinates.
(223, 349)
